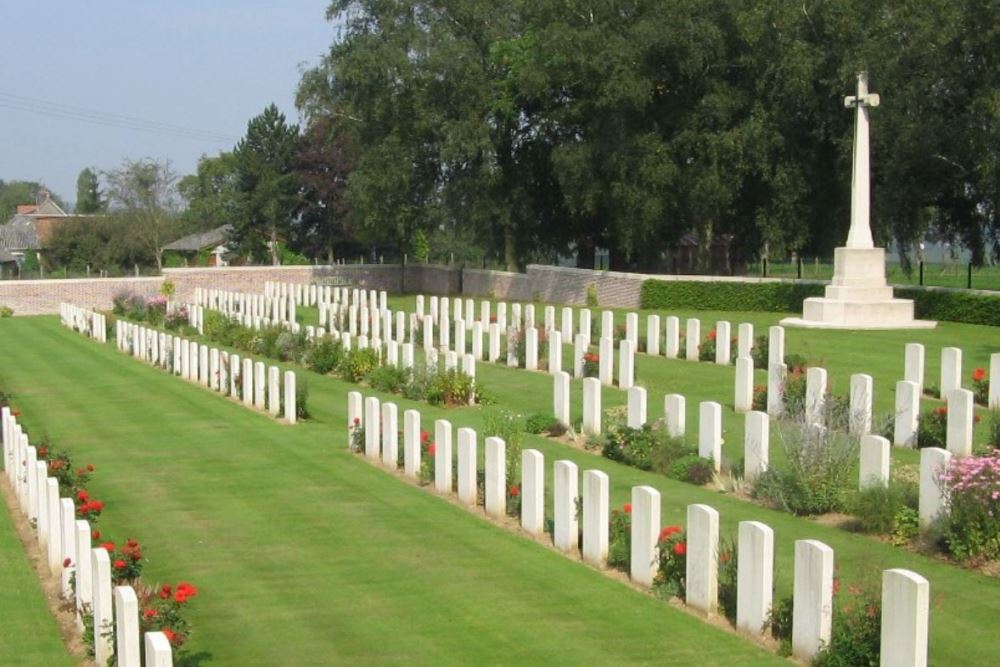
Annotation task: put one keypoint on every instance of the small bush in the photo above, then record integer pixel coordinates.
(693, 469)
(631, 446)
(761, 351)
(539, 423)
(728, 568)
(780, 622)
(877, 508)
(592, 295)
(357, 364)
(971, 528)
(932, 428)
(6, 311)
(302, 398)
(324, 356)
(671, 572)
(620, 539)
(856, 634)
(450, 388)
(391, 379)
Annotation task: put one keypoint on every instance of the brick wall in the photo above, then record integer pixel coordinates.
(252, 278)
(40, 297)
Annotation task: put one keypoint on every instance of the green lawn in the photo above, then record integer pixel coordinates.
(303, 553)
(28, 632)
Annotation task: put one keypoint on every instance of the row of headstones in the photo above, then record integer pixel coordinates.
(905, 595)
(874, 451)
(276, 310)
(84, 572)
(312, 294)
(88, 322)
(256, 385)
(951, 372)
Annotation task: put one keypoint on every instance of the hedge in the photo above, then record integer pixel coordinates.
(787, 297)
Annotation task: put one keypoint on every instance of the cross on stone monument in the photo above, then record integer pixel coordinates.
(860, 235)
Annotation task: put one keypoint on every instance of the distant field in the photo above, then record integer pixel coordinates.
(935, 275)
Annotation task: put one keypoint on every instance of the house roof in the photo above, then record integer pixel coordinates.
(20, 233)
(201, 240)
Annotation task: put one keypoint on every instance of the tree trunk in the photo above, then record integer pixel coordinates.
(705, 247)
(159, 260)
(274, 246)
(509, 251)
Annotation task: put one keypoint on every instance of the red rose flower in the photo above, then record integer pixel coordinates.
(424, 435)
(83, 495)
(16, 413)
(680, 549)
(667, 531)
(628, 508)
(96, 535)
(67, 562)
(165, 591)
(711, 334)
(132, 544)
(515, 491)
(979, 375)
(942, 411)
(149, 613)
(90, 467)
(109, 546)
(119, 564)
(431, 449)
(976, 419)
(357, 421)
(169, 634)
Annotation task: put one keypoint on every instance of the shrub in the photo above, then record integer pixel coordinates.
(539, 422)
(667, 451)
(878, 508)
(450, 388)
(780, 622)
(706, 351)
(620, 539)
(794, 392)
(6, 311)
(592, 295)
(632, 446)
(324, 356)
(728, 568)
(591, 365)
(856, 634)
(971, 528)
(761, 351)
(932, 428)
(356, 364)
(760, 397)
(671, 571)
(818, 472)
(693, 469)
(302, 398)
(391, 379)
(952, 305)
(167, 288)
(508, 426)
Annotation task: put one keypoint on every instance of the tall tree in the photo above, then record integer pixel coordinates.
(89, 198)
(265, 164)
(324, 160)
(144, 194)
(211, 194)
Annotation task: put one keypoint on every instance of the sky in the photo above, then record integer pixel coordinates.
(207, 66)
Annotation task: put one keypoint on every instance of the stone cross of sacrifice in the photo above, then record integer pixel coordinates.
(860, 235)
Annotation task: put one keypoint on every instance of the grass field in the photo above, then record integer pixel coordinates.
(254, 511)
(304, 554)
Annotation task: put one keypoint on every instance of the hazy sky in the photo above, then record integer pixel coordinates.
(206, 65)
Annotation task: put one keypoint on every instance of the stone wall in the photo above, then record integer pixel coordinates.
(252, 278)
(41, 297)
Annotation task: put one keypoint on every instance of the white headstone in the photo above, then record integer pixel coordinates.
(496, 477)
(531, 349)
(812, 606)
(555, 351)
(775, 345)
(411, 444)
(390, 435)
(532, 491)
(905, 614)
(626, 364)
(467, 483)
(692, 340)
(632, 329)
(860, 417)
(933, 463)
(815, 406)
(636, 407)
(606, 361)
(745, 340)
(756, 444)
(710, 432)
(355, 413)
(564, 494)
(874, 468)
(84, 566)
(595, 517)
(591, 406)
(442, 456)
(126, 627)
(494, 342)
(754, 577)
(653, 334)
(675, 414)
(673, 337)
(101, 605)
(645, 535)
(372, 423)
(994, 380)
(959, 422)
(580, 346)
(951, 371)
(743, 390)
(907, 414)
(607, 324)
(291, 409)
(723, 338)
(702, 575)
(913, 367)
(561, 397)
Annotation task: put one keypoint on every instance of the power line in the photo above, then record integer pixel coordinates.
(72, 112)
